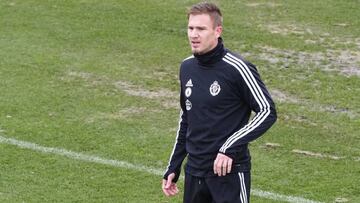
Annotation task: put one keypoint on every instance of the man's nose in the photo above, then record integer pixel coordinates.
(194, 34)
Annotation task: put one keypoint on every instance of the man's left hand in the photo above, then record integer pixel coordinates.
(222, 164)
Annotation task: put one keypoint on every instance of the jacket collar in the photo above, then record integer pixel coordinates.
(212, 56)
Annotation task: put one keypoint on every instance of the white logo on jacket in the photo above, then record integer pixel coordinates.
(188, 89)
(188, 92)
(188, 105)
(189, 83)
(215, 88)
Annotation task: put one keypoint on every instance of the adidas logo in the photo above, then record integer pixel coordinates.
(189, 83)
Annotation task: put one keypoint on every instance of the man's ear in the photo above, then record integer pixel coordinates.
(218, 31)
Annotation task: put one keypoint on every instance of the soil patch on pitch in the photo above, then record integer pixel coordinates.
(167, 98)
(334, 59)
(283, 97)
(265, 4)
(345, 62)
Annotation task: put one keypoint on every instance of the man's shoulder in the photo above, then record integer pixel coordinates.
(188, 58)
(189, 61)
(237, 58)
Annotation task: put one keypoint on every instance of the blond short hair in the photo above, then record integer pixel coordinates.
(207, 8)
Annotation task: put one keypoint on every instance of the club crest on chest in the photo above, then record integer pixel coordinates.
(215, 88)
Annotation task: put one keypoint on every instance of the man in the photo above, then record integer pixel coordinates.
(218, 92)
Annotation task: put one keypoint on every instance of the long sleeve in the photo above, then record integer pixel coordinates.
(255, 94)
(179, 150)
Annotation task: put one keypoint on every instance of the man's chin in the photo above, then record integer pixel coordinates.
(195, 51)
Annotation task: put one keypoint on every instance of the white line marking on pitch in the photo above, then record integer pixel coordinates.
(127, 165)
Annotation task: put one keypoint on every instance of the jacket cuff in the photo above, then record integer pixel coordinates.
(231, 155)
(177, 175)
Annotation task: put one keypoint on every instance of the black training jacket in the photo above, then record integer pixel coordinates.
(218, 92)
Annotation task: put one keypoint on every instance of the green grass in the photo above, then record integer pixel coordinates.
(61, 62)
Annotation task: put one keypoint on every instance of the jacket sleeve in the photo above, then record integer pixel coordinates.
(179, 151)
(257, 97)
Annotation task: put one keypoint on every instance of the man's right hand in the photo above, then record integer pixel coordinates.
(169, 188)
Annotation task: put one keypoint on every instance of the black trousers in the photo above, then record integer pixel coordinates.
(232, 188)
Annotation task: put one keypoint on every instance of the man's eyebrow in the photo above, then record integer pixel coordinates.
(197, 27)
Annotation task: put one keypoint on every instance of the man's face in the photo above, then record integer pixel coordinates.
(202, 34)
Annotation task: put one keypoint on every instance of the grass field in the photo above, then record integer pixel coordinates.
(88, 97)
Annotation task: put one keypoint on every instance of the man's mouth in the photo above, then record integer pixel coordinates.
(195, 43)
